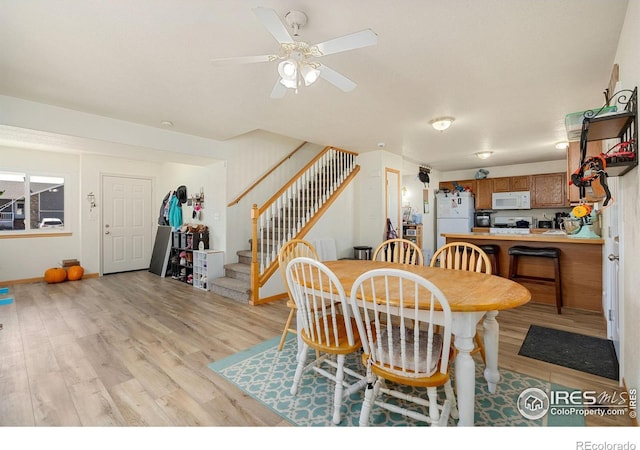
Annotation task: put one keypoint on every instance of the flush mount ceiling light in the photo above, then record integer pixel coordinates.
(166, 123)
(442, 123)
(562, 145)
(484, 155)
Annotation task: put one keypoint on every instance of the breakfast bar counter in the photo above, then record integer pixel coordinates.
(580, 265)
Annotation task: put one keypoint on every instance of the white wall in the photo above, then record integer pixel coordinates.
(628, 58)
(211, 180)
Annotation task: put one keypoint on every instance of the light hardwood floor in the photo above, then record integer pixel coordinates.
(132, 349)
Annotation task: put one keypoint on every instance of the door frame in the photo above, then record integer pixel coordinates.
(612, 276)
(102, 216)
(388, 192)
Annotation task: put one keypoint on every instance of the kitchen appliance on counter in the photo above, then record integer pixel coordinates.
(511, 200)
(482, 219)
(512, 225)
(560, 218)
(583, 222)
(454, 214)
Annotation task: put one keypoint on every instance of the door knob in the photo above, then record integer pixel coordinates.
(613, 257)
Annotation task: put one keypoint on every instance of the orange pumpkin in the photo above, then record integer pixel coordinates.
(75, 273)
(55, 275)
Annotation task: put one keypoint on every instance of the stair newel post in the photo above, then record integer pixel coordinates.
(255, 270)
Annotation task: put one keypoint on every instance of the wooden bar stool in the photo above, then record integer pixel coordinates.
(492, 253)
(546, 252)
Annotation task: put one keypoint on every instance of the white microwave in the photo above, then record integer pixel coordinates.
(511, 200)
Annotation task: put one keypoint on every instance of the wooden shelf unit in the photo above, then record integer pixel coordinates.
(622, 126)
(413, 233)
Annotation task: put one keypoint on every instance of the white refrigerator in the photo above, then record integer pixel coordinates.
(454, 214)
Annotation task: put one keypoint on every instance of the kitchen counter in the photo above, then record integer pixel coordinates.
(534, 236)
(580, 265)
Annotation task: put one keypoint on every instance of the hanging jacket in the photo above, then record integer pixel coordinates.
(175, 212)
(163, 217)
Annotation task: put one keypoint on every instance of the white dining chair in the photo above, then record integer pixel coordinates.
(327, 326)
(405, 324)
(290, 250)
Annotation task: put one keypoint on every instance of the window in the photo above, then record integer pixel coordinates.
(31, 202)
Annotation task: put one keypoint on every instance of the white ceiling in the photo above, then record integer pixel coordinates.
(507, 70)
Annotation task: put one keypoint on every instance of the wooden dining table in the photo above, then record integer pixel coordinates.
(471, 296)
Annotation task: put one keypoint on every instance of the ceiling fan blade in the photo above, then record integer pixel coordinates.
(351, 41)
(279, 90)
(244, 59)
(337, 79)
(273, 24)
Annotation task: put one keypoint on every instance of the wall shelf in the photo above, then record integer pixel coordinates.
(622, 126)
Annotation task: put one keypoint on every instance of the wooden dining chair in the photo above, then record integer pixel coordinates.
(405, 324)
(290, 250)
(401, 251)
(469, 257)
(327, 326)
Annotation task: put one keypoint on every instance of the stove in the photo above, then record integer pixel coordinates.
(507, 225)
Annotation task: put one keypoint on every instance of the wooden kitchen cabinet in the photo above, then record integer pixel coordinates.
(449, 185)
(510, 184)
(573, 161)
(521, 183)
(549, 190)
(502, 184)
(484, 189)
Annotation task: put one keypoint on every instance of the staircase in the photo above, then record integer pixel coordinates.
(236, 284)
(289, 214)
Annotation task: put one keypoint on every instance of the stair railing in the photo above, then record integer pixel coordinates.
(295, 208)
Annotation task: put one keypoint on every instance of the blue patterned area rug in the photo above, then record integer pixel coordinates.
(266, 375)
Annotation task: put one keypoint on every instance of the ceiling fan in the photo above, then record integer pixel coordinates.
(298, 63)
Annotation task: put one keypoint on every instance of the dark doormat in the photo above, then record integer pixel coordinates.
(576, 351)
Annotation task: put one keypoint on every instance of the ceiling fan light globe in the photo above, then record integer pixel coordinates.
(309, 74)
(287, 70)
(291, 84)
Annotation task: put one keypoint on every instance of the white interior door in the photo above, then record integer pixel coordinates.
(611, 265)
(126, 224)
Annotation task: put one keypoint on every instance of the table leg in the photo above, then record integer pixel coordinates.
(491, 333)
(465, 379)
